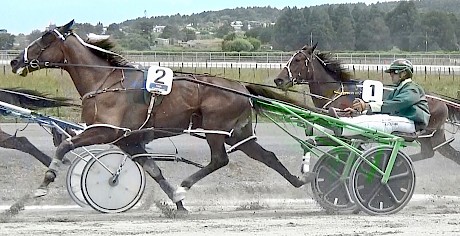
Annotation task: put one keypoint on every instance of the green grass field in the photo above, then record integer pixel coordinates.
(55, 82)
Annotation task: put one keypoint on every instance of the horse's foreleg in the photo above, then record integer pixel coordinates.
(24, 145)
(154, 171)
(257, 152)
(97, 135)
(219, 159)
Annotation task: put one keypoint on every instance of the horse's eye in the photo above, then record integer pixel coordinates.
(297, 60)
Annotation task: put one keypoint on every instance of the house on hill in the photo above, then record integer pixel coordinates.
(237, 25)
(158, 28)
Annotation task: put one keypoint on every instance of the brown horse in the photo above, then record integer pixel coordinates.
(28, 99)
(327, 78)
(113, 104)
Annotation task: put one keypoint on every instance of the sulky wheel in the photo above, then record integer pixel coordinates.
(367, 189)
(73, 177)
(330, 188)
(112, 182)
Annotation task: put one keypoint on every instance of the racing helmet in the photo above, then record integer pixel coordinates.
(400, 65)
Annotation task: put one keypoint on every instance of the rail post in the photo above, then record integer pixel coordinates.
(354, 72)
(458, 94)
(4, 70)
(425, 73)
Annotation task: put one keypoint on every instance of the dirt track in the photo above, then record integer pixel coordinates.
(244, 198)
(432, 217)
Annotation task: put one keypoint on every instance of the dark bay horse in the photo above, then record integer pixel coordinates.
(28, 99)
(113, 104)
(326, 77)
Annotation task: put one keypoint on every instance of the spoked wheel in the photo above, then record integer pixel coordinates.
(375, 197)
(330, 188)
(73, 177)
(112, 182)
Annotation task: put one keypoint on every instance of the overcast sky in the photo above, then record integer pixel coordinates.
(24, 16)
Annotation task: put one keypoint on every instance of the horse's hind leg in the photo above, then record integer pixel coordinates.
(23, 144)
(257, 152)
(219, 159)
(446, 150)
(450, 152)
(426, 150)
(154, 171)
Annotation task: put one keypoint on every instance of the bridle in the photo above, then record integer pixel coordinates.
(36, 64)
(308, 60)
(309, 72)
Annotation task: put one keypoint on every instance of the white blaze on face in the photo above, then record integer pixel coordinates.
(19, 71)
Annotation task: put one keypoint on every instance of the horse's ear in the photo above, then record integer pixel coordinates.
(314, 47)
(67, 27)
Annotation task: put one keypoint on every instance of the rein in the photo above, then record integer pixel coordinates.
(34, 63)
(60, 64)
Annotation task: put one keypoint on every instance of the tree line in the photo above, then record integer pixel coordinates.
(367, 28)
(417, 25)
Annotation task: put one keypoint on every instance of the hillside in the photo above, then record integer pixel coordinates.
(418, 25)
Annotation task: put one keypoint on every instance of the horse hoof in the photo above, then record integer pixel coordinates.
(40, 192)
(66, 161)
(179, 194)
(308, 177)
(182, 210)
(181, 213)
(50, 175)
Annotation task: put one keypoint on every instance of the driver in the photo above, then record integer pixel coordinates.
(404, 110)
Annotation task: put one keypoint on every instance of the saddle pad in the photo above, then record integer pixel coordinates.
(159, 80)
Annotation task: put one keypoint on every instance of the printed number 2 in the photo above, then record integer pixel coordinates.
(163, 73)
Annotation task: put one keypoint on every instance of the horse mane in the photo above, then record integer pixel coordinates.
(32, 99)
(109, 45)
(259, 90)
(333, 66)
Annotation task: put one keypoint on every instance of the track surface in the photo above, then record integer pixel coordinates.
(244, 198)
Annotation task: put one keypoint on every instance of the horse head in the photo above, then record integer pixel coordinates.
(327, 79)
(42, 51)
(298, 69)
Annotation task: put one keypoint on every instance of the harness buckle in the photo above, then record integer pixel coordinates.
(34, 63)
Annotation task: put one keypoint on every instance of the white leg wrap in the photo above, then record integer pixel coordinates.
(179, 194)
(54, 165)
(40, 192)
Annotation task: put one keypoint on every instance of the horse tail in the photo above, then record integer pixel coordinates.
(453, 108)
(31, 99)
(454, 114)
(260, 90)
